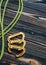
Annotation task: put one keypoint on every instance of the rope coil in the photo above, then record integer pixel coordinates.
(12, 43)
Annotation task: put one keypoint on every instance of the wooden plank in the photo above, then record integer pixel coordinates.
(34, 30)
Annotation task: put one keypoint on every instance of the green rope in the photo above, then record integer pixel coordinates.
(10, 26)
(15, 18)
(1, 24)
(1, 32)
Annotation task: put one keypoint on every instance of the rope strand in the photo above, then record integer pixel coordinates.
(10, 26)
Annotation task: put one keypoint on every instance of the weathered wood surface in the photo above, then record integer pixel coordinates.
(34, 30)
(35, 17)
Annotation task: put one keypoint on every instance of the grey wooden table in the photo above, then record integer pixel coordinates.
(34, 27)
